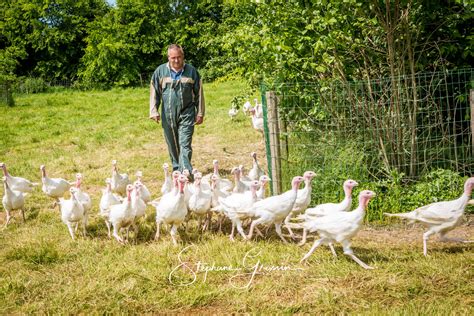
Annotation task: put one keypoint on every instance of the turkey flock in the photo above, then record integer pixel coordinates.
(212, 199)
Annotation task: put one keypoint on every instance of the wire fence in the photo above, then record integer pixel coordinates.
(31, 85)
(403, 127)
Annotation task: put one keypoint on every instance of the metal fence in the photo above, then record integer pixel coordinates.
(30, 85)
(401, 127)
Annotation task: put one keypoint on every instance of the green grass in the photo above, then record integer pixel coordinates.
(43, 271)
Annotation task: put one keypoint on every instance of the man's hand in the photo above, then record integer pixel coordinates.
(199, 119)
(156, 118)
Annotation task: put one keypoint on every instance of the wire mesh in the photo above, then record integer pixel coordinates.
(369, 130)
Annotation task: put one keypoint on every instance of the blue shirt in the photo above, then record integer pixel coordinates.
(176, 75)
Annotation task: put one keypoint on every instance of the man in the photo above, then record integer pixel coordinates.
(178, 88)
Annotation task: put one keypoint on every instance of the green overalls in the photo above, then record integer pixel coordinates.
(182, 99)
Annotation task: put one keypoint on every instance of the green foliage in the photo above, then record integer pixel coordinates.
(236, 101)
(427, 127)
(258, 40)
(438, 185)
(398, 194)
(45, 38)
(117, 41)
(127, 44)
(9, 61)
(335, 159)
(282, 41)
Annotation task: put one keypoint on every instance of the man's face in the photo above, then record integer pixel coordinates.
(176, 59)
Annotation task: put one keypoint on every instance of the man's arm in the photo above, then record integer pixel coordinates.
(199, 99)
(155, 98)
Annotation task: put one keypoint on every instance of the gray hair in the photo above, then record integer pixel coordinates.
(176, 47)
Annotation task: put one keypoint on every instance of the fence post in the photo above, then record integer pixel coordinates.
(471, 101)
(283, 137)
(6, 93)
(274, 141)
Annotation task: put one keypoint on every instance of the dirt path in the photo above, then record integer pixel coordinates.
(231, 153)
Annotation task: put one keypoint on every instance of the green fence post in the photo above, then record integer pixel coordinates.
(471, 101)
(266, 133)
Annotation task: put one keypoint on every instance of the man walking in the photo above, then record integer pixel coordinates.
(178, 88)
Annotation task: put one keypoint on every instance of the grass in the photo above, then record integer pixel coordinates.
(43, 271)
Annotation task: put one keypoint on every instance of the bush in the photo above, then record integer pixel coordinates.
(397, 195)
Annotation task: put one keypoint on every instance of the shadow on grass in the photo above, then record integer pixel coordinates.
(453, 248)
(32, 213)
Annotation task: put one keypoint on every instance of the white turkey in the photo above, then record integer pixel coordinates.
(256, 172)
(138, 205)
(329, 208)
(53, 187)
(340, 227)
(17, 183)
(12, 200)
(200, 201)
(258, 109)
(174, 184)
(119, 180)
(246, 107)
(108, 199)
(274, 209)
(235, 205)
(83, 197)
(216, 195)
(441, 217)
(257, 122)
(244, 178)
(72, 213)
(205, 185)
(233, 112)
(171, 210)
(263, 183)
(145, 194)
(188, 187)
(223, 184)
(216, 191)
(239, 186)
(121, 216)
(168, 184)
(303, 199)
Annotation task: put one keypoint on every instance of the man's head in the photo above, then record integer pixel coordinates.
(176, 56)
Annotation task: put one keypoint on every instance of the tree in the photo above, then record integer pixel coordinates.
(47, 36)
(127, 44)
(348, 40)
